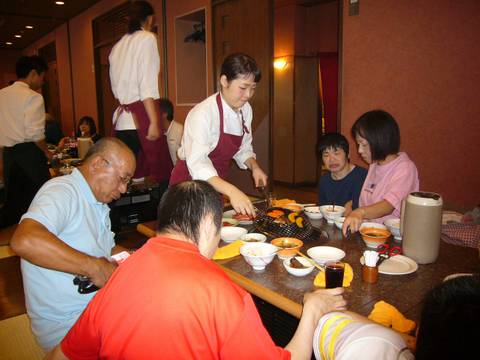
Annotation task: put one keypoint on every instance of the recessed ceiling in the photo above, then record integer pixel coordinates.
(43, 15)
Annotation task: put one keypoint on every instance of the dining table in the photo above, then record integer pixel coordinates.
(404, 291)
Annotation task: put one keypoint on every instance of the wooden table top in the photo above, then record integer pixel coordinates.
(405, 292)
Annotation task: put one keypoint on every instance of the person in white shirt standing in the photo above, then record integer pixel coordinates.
(174, 129)
(22, 136)
(134, 67)
(219, 129)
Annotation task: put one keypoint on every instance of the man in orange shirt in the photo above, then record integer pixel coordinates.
(169, 301)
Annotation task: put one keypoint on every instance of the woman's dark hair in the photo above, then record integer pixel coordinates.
(449, 321)
(236, 65)
(381, 131)
(137, 14)
(184, 206)
(166, 107)
(333, 141)
(28, 63)
(90, 122)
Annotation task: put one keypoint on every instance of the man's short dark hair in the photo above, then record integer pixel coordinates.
(381, 131)
(103, 146)
(185, 205)
(166, 107)
(333, 141)
(28, 63)
(450, 319)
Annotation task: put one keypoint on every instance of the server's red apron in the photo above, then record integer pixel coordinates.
(154, 157)
(221, 156)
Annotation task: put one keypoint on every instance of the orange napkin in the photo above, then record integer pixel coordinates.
(388, 315)
(347, 277)
(228, 251)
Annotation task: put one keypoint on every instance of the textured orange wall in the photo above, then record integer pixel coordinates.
(419, 60)
(8, 59)
(176, 8)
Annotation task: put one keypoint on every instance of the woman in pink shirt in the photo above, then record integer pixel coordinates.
(391, 174)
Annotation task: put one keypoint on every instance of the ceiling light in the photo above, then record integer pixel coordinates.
(8, 43)
(60, 2)
(28, 27)
(18, 36)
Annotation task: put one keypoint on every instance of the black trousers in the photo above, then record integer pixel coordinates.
(25, 170)
(130, 138)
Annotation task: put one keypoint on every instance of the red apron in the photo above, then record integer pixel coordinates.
(221, 156)
(154, 157)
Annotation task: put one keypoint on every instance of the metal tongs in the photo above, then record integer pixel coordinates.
(85, 286)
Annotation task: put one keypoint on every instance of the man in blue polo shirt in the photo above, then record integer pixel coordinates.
(65, 233)
(344, 181)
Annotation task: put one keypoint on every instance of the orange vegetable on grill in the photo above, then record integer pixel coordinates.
(275, 213)
(292, 216)
(299, 222)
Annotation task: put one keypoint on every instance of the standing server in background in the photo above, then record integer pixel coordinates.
(22, 136)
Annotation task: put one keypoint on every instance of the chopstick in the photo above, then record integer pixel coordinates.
(311, 261)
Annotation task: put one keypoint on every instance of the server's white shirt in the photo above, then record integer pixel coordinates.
(202, 132)
(174, 139)
(134, 67)
(22, 115)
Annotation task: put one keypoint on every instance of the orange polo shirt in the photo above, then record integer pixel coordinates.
(167, 301)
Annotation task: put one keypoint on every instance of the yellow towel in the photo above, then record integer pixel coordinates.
(347, 277)
(388, 315)
(228, 251)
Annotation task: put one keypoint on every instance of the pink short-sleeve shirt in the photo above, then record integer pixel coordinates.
(391, 182)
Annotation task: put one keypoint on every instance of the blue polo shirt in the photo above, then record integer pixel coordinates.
(343, 190)
(67, 207)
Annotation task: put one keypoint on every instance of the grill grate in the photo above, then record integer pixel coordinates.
(267, 225)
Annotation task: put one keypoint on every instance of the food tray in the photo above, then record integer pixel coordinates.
(268, 226)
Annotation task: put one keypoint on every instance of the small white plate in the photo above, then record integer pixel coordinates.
(396, 265)
(231, 213)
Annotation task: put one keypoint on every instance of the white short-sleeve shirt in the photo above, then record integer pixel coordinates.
(134, 67)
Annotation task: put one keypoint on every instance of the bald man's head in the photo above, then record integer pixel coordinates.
(108, 167)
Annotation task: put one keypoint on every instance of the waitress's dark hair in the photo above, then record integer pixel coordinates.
(137, 14)
(90, 122)
(381, 131)
(448, 326)
(185, 205)
(238, 64)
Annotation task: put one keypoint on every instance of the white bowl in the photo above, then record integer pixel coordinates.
(253, 237)
(323, 254)
(313, 212)
(394, 226)
(232, 233)
(375, 225)
(330, 215)
(258, 255)
(298, 272)
(339, 222)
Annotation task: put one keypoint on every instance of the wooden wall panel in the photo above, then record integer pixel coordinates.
(246, 26)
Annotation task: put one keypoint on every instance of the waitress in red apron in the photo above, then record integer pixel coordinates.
(134, 67)
(218, 130)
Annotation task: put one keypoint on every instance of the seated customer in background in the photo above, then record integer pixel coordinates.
(66, 232)
(342, 184)
(174, 131)
(181, 305)
(391, 174)
(87, 128)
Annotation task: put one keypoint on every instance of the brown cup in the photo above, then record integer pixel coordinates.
(370, 274)
(334, 272)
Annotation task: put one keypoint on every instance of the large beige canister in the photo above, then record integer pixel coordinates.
(83, 144)
(421, 225)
